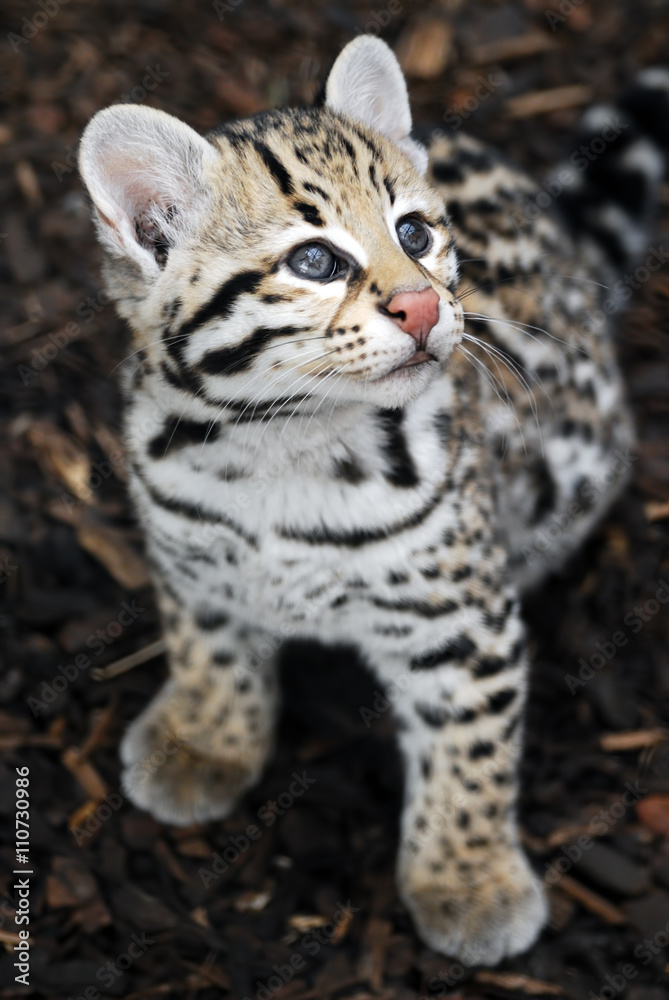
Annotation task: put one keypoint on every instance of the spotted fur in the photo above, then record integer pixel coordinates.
(293, 479)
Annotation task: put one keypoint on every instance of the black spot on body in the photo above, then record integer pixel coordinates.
(456, 650)
(349, 470)
(432, 715)
(402, 471)
(179, 432)
(544, 488)
(488, 666)
(482, 748)
(209, 619)
(223, 658)
(498, 701)
(447, 173)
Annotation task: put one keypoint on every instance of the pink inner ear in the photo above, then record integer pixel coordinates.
(135, 184)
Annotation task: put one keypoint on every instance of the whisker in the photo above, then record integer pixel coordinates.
(508, 363)
(524, 328)
(518, 277)
(490, 379)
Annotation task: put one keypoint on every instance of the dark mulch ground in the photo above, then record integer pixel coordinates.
(106, 876)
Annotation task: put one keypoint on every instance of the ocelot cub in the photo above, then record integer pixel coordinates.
(371, 377)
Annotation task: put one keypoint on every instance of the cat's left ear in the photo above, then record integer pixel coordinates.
(367, 84)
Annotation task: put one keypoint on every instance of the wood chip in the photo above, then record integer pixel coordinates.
(372, 960)
(28, 182)
(60, 455)
(304, 922)
(85, 774)
(102, 722)
(15, 740)
(653, 812)
(252, 902)
(169, 860)
(633, 740)
(69, 883)
(512, 981)
(517, 47)
(342, 927)
(656, 511)
(82, 814)
(609, 913)
(425, 47)
(540, 102)
(7, 937)
(126, 663)
(109, 547)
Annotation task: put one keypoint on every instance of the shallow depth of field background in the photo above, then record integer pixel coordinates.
(218, 912)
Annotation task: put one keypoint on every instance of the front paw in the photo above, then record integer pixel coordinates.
(184, 770)
(478, 915)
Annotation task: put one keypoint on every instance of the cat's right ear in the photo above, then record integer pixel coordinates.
(145, 172)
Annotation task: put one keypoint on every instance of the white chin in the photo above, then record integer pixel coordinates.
(401, 385)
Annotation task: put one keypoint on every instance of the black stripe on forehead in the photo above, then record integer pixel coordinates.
(275, 167)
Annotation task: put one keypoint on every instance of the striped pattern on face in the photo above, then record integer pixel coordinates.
(285, 180)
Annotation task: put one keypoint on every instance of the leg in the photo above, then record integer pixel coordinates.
(205, 737)
(458, 693)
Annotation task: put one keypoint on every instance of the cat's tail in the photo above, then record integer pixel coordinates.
(610, 182)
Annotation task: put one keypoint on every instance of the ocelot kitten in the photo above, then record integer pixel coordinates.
(368, 376)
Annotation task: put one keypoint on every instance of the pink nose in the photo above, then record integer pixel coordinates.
(415, 312)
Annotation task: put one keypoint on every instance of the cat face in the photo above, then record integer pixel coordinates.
(295, 253)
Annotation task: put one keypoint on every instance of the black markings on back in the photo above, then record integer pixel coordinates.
(488, 666)
(209, 619)
(447, 173)
(500, 700)
(179, 432)
(456, 650)
(481, 748)
(402, 471)
(275, 167)
(432, 715)
(422, 609)
(544, 489)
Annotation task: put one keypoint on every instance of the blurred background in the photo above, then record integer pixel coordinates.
(124, 907)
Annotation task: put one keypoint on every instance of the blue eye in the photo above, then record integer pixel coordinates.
(316, 262)
(413, 236)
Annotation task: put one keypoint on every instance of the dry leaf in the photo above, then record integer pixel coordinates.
(109, 547)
